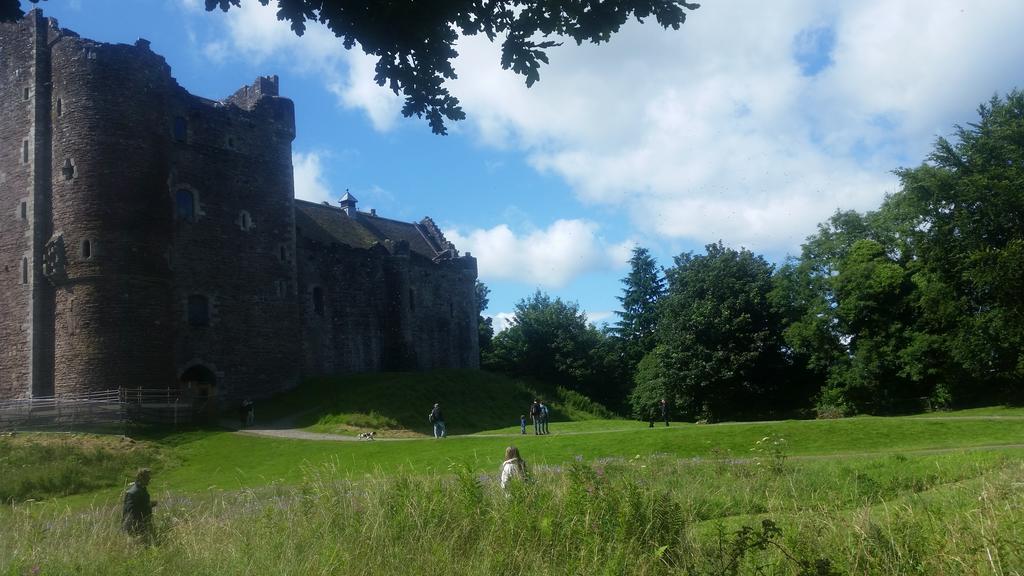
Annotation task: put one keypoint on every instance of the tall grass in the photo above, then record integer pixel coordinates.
(952, 514)
(37, 466)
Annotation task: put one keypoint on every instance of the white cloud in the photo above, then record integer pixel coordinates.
(309, 182)
(255, 34)
(191, 5)
(713, 132)
(548, 258)
(600, 317)
(502, 320)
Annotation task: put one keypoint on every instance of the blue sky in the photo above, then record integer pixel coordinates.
(750, 124)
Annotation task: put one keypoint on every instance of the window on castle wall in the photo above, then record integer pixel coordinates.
(282, 253)
(26, 93)
(24, 151)
(318, 301)
(180, 128)
(231, 143)
(244, 221)
(198, 310)
(24, 270)
(60, 107)
(68, 169)
(24, 210)
(86, 249)
(185, 205)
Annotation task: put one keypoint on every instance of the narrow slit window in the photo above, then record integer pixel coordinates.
(24, 151)
(198, 310)
(68, 169)
(24, 270)
(60, 107)
(180, 128)
(26, 93)
(318, 301)
(24, 210)
(86, 249)
(185, 205)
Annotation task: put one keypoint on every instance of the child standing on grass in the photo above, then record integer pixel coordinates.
(512, 467)
(522, 423)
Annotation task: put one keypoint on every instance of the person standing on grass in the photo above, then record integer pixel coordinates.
(437, 419)
(543, 418)
(522, 423)
(664, 410)
(513, 467)
(137, 512)
(535, 416)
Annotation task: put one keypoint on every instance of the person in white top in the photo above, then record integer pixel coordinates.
(512, 467)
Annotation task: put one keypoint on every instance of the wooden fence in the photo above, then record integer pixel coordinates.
(113, 409)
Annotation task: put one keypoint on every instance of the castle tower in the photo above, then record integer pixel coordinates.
(107, 256)
(26, 300)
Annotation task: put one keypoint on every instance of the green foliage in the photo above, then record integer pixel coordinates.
(414, 42)
(638, 319)
(917, 305)
(720, 345)
(485, 326)
(397, 403)
(652, 384)
(953, 514)
(969, 207)
(550, 340)
(576, 406)
(44, 466)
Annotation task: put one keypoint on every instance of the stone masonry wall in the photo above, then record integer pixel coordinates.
(238, 251)
(111, 217)
(386, 310)
(17, 85)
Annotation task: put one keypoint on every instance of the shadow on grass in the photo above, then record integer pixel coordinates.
(471, 400)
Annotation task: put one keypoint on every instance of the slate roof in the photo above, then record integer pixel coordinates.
(330, 224)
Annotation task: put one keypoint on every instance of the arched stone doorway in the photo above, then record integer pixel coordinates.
(200, 384)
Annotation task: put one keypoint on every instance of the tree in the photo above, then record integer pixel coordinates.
(414, 41)
(969, 202)
(638, 319)
(549, 340)
(720, 342)
(485, 325)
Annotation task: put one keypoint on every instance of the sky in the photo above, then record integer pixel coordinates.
(751, 124)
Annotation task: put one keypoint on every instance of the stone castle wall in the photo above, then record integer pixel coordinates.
(18, 210)
(148, 234)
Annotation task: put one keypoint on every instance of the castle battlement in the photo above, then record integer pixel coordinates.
(151, 238)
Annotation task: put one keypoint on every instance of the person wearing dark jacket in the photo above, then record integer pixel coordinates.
(535, 416)
(137, 512)
(437, 419)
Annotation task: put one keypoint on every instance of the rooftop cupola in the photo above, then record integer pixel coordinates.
(348, 204)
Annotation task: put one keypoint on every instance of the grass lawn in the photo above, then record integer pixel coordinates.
(935, 494)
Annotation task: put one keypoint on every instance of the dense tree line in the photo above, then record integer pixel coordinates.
(918, 304)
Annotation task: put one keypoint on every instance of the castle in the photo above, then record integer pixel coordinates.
(151, 238)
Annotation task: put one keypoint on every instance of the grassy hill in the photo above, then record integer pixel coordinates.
(934, 494)
(397, 404)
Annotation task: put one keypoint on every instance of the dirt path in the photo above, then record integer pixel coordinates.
(285, 428)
